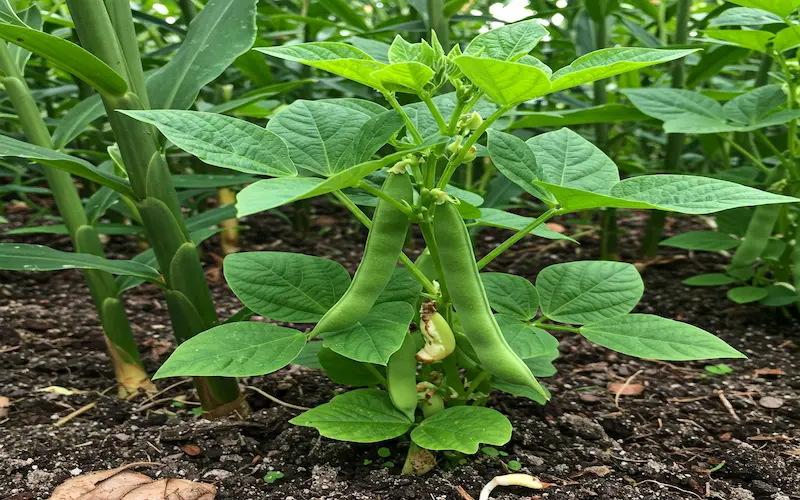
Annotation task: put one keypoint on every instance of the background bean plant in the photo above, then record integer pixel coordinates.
(431, 135)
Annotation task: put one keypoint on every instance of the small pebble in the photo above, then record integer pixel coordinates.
(770, 402)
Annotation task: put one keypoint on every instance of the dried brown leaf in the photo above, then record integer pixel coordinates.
(598, 470)
(625, 390)
(5, 404)
(769, 372)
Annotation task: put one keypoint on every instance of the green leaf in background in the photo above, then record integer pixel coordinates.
(780, 295)
(66, 56)
(780, 7)
(787, 39)
(709, 241)
(272, 193)
(652, 337)
(607, 113)
(223, 141)
(514, 222)
(110, 229)
(376, 336)
(506, 83)
(97, 205)
(77, 120)
(337, 58)
(526, 341)
(32, 18)
(309, 356)
(749, 39)
(747, 294)
(9, 15)
(668, 104)
(210, 181)
(240, 349)
(61, 161)
(463, 429)
(345, 371)
(606, 63)
(507, 43)
(284, 286)
(754, 106)
(26, 257)
(744, 16)
(587, 291)
(342, 10)
(512, 295)
(711, 279)
(220, 33)
(360, 416)
(407, 77)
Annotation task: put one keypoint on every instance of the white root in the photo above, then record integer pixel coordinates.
(523, 480)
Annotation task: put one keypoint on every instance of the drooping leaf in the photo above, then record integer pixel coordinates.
(711, 279)
(220, 33)
(525, 340)
(77, 119)
(780, 7)
(240, 349)
(511, 294)
(360, 416)
(752, 107)
(27, 257)
(506, 83)
(507, 43)
(652, 337)
(668, 104)
(376, 336)
(709, 241)
(787, 39)
(223, 141)
(745, 16)
(463, 429)
(514, 158)
(749, 39)
(286, 286)
(514, 222)
(587, 291)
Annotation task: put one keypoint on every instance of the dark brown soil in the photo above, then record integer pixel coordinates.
(676, 440)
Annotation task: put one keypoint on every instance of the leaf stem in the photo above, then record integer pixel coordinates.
(474, 383)
(758, 163)
(409, 124)
(502, 247)
(377, 374)
(388, 199)
(558, 328)
(443, 129)
(786, 163)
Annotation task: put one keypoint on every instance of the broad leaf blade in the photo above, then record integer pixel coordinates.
(507, 43)
(337, 58)
(506, 83)
(511, 295)
(463, 429)
(708, 241)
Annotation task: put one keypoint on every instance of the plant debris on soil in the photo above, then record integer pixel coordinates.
(675, 431)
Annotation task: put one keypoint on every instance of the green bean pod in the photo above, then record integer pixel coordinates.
(471, 303)
(401, 377)
(757, 236)
(384, 244)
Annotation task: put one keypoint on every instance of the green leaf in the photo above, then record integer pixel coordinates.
(521, 390)
(749, 39)
(66, 56)
(525, 340)
(607, 113)
(506, 83)
(463, 429)
(509, 42)
(222, 141)
(25, 257)
(220, 33)
(77, 120)
(65, 162)
(337, 58)
(9, 15)
(407, 77)
(360, 416)
(606, 63)
(376, 336)
(345, 371)
(342, 10)
(787, 39)
(421, 117)
(754, 106)
(309, 356)
(744, 16)
(241, 349)
(514, 158)
(32, 18)
(284, 286)
(709, 241)
(111, 229)
(403, 51)
(402, 287)
(588, 291)
(747, 294)
(780, 7)
(711, 279)
(668, 104)
(780, 295)
(511, 294)
(652, 337)
(507, 220)
(210, 181)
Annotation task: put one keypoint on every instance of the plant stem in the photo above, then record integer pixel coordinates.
(388, 199)
(377, 374)
(457, 111)
(786, 163)
(452, 376)
(758, 163)
(433, 248)
(475, 383)
(412, 129)
(559, 328)
(188, 11)
(438, 23)
(437, 115)
(502, 247)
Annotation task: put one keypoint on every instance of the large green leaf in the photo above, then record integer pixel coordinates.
(514, 158)
(282, 286)
(652, 337)
(668, 104)
(606, 63)
(337, 58)
(345, 371)
(77, 119)
(780, 7)
(708, 241)
(787, 39)
(220, 33)
(607, 113)
(507, 43)
(511, 294)
(26, 257)
(506, 83)
(407, 77)
(745, 16)
(402, 287)
(749, 39)
(375, 337)
(360, 416)
(32, 18)
(240, 349)
(223, 141)
(61, 161)
(463, 429)
(515, 222)
(526, 341)
(9, 15)
(66, 56)
(747, 294)
(587, 291)
(754, 106)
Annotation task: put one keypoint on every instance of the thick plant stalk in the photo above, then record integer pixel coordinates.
(191, 307)
(439, 23)
(230, 236)
(128, 369)
(672, 160)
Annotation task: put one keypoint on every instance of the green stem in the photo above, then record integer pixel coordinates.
(433, 248)
(558, 328)
(791, 100)
(502, 247)
(452, 376)
(786, 163)
(475, 383)
(188, 11)
(437, 115)
(119, 11)
(758, 163)
(438, 23)
(409, 124)
(457, 112)
(388, 199)
(458, 159)
(376, 374)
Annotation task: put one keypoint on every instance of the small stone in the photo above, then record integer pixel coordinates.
(218, 474)
(582, 426)
(589, 398)
(122, 436)
(75, 472)
(741, 494)
(770, 402)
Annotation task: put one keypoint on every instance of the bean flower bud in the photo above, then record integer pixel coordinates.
(470, 121)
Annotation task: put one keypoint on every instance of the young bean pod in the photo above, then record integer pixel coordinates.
(757, 236)
(401, 377)
(471, 303)
(384, 244)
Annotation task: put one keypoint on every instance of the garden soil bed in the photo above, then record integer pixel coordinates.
(675, 440)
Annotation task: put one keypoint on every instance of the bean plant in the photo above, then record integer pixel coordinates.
(428, 340)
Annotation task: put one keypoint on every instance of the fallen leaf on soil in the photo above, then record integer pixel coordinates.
(4, 405)
(598, 470)
(770, 402)
(622, 389)
(115, 484)
(769, 372)
(192, 450)
(61, 391)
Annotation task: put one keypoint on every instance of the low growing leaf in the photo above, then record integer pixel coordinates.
(708, 241)
(511, 294)
(463, 429)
